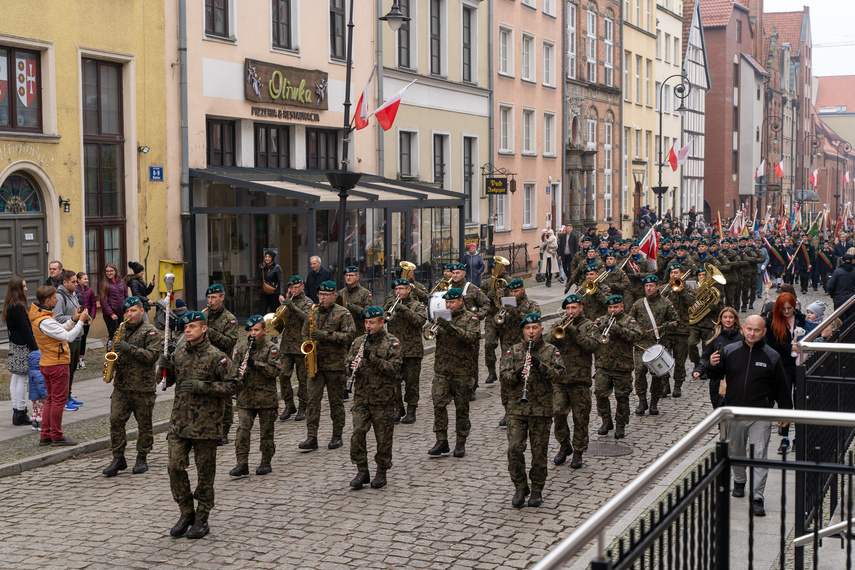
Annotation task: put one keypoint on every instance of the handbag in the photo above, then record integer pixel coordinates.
(18, 354)
(265, 286)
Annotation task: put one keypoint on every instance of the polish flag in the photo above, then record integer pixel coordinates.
(761, 170)
(814, 178)
(845, 175)
(679, 157)
(649, 246)
(360, 119)
(386, 112)
(779, 170)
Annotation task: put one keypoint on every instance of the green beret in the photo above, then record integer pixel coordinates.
(130, 302)
(192, 317)
(351, 269)
(569, 300)
(458, 267)
(703, 242)
(650, 279)
(372, 312)
(665, 240)
(253, 320)
(215, 288)
(702, 269)
(613, 300)
(592, 267)
(674, 266)
(515, 283)
(448, 266)
(742, 238)
(681, 246)
(295, 280)
(634, 243)
(611, 253)
(713, 242)
(529, 319)
(327, 286)
(586, 237)
(453, 293)
(399, 281)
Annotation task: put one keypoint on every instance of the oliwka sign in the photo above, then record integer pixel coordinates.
(281, 85)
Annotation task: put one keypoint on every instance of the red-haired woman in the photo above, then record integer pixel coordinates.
(780, 336)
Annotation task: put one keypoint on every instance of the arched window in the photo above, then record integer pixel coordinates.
(19, 194)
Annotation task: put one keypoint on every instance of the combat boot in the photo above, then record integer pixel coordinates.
(118, 464)
(335, 442)
(504, 421)
(301, 415)
(225, 439)
(441, 446)
(264, 468)
(620, 432)
(240, 470)
(410, 418)
(379, 480)
(563, 450)
(310, 443)
(141, 466)
(576, 460)
(399, 412)
(654, 406)
(678, 391)
(460, 449)
(184, 522)
(490, 378)
(642, 407)
(472, 397)
(606, 427)
(518, 499)
(289, 409)
(198, 530)
(536, 499)
(666, 388)
(362, 477)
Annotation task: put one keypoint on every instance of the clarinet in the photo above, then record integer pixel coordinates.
(349, 387)
(524, 397)
(245, 358)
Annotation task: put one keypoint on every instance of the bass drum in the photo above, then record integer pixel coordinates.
(435, 302)
(658, 360)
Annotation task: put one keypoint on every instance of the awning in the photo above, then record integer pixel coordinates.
(804, 195)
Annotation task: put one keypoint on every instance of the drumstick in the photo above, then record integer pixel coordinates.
(641, 347)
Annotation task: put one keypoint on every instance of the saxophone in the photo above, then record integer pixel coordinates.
(309, 348)
(111, 357)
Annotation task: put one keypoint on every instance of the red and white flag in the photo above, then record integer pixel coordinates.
(649, 246)
(845, 174)
(761, 170)
(25, 80)
(779, 169)
(679, 157)
(360, 118)
(814, 178)
(4, 73)
(386, 112)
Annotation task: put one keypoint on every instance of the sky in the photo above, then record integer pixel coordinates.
(831, 22)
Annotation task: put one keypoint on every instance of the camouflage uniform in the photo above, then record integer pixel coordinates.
(731, 273)
(636, 287)
(223, 334)
(663, 313)
(476, 302)
(358, 299)
(595, 304)
(510, 333)
(491, 334)
(532, 419)
(134, 387)
(579, 275)
(455, 367)
(257, 397)
(406, 326)
(338, 323)
(573, 389)
(375, 396)
(614, 366)
(419, 290)
(618, 282)
(197, 421)
(290, 356)
(749, 290)
(676, 340)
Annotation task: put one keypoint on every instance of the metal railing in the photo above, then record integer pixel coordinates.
(517, 254)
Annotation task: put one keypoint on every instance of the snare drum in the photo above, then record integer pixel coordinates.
(435, 302)
(658, 360)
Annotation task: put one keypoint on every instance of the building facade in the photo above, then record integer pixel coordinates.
(696, 71)
(668, 67)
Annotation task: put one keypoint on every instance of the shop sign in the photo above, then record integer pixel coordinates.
(282, 85)
(497, 185)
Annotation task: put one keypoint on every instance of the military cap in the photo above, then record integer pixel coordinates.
(192, 317)
(351, 269)
(674, 266)
(448, 266)
(215, 288)
(295, 280)
(613, 300)
(372, 312)
(702, 269)
(327, 286)
(516, 283)
(650, 279)
(703, 242)
(458, 267)
(681, 246)
(453, 293)
(253, 320)
(586, 237)
(400, 281)
(570, 299)
(130, 302)
(591, 267)
(529, 319)
(635, 243)
(742, 238)
(611, 253)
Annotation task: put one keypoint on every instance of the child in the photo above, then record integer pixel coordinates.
(38, 391)
(85, 298)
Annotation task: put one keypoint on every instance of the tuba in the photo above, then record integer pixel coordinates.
(111, 357)
(275, 322)
(499, 284)
(309, 348)
(407, 270)
(706, 295)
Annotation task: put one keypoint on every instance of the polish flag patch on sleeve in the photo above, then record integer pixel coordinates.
(234, 322)
(152, 333)
(274, 351)
(224, 361)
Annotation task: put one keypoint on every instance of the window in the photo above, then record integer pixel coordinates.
(405, 152)
(647, 146)
(529, 3)
(404, 38)
(548, 51)
(506, 129)
(321, 149)
(738, 31)
(506, 54)
(658, 95)
(282, 24)
(676, 102)
(626, 10)
(467, 44)
(609, 55)
(500, 212)
(607, 170)
(337, 26)
(735, 160)
(638, 12)
(549, 7)
(666, 99)
(528, 58)
(647, 16)
(470, 154)
(528, 132)
(637, 142)
(440, 143)
(592, 46)
(217, 18)
(436, 37)
(625, 191)
(638, 80)
(548, 135)
(676, 50)
(658, 39)
(736, 118)
(103, 164)
(272, 146)
(528, 204)
(221, 142)
(667, 48)
(591, 126)
(627, 59)
(20, 95)
(647, 81)
(736, 75)
(571, 41)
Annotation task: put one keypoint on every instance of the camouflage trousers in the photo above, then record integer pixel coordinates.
(266, 420)
(334, 382)
(698, 334)
(678, 346)
(657, 383)
(604, 382)
(205, 454)
(228, 413)
(536, 430)
(289, 363)
(122, 405)
(366, 416)
(410, 372)
(746, 284)
(491, 344)
(730, 292)
(576, 398)
(445, 389)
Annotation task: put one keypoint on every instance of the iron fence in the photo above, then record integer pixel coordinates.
(517, 254)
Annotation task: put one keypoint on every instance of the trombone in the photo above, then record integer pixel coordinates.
(390, 314)
(560, 330)
(676, 284)
(441, 285)
(590, 287)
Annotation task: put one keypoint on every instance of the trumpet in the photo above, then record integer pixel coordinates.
(524, 396)
(560, 330)
(430, 331)
(605, 336)
(390, 314)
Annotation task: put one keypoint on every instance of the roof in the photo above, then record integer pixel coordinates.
(788, 25)
(755, 64)
(692, 17)
(717, 13)
(836, 91)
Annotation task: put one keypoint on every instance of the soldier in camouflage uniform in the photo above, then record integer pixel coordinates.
(637, 269)
(731, 272)
(573, 390)
(663, 257)
(476, 302)
(455, 367)
(701, 331)
(374, 360)
(223, 334)
(204, 377)
(356, 297)
(676, 340)
(510, 332)
(333, 332)
(134, 386)
(614, 365)
(406, 325)
(532, 370)
(665, 321)
(616, 278)
(491, 334)
(290, 357)
(257, 369)
(595, 302)
(417, 289)
(752, 258)
(578, 276)
(580, 258)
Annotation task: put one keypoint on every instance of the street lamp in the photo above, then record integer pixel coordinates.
(344, 180)
(814, 144)
(775, 124)
(681, 91)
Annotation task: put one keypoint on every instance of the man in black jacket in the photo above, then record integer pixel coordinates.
(568, 245)
(755, 378)
(841, 286)
(316, 276)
